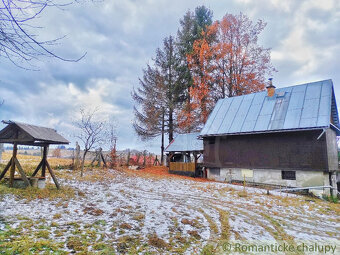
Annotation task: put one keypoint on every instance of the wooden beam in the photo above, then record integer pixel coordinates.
(11, 177)
(37, 169)
(22, 173)
(44, 160)
(2, 175)
(52, 175)
(103, 159)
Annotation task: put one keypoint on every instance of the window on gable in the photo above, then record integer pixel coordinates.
(288, 175)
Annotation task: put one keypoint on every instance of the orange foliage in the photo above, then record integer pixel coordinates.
(226, 62)
(161, 172)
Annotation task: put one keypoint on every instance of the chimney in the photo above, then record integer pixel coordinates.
(270, 88)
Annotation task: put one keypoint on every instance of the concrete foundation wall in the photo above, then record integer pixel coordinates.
(332, 150)
(270, 176)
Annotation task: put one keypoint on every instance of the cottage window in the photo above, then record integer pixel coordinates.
(215, 171)
(288, 175)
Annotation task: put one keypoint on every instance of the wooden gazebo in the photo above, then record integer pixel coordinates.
(24, 134)
(179, 153)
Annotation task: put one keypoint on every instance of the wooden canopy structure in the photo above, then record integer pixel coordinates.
(179, 153)
(24, 134)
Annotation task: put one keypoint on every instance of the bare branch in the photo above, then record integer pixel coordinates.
(18, 42)
(92, 132)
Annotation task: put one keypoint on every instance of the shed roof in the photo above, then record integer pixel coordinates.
(299, 107)
(27, 134)
(185, 142)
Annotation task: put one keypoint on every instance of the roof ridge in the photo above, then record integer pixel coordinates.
(23, 123)
(280, 88)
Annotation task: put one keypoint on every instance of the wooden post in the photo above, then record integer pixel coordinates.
(2, 175)
(1, 150)
(128, 158)
(37, 169)
(156, 161)
(77, 156)
(99, 155)
(144, 160)
(44, 159)
(195, 161)
(11, 178)
(103, 159)
(22, 173)
(52, 175)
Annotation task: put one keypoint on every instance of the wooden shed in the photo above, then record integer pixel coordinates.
(17, 133)
(183, 154)
(284, 137)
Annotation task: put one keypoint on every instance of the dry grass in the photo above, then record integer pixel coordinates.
(125, 226)
(193, 222)
(30, 160)
(50, 192)
(155, 241)
(212, 223)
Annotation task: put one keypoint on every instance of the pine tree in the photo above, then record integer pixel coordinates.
(158, 95)
(192, 27)
(167, 60)
(150, 107)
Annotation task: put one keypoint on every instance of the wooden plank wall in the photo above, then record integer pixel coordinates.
(181, 166)
(287, 150)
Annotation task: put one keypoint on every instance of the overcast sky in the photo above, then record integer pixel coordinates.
(120, 38)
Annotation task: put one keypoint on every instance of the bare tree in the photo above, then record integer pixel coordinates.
(19, 42)
(91, 132)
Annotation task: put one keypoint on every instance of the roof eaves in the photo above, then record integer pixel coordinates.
(265, 131)
(336, 128)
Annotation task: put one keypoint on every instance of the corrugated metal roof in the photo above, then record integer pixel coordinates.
(32, 134)
(305, 106)
(185, 142)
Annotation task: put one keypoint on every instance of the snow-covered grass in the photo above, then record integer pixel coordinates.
(111, 211)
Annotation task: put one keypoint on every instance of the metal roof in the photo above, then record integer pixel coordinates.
(27, 134)
(185, 142)
(299, 107)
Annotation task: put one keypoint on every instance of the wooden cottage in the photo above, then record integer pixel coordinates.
(284, 136)
(183, 154)
(17, 133)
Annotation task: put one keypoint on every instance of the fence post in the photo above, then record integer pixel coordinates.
(128, 158)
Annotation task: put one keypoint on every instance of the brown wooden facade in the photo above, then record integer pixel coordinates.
(281, 150)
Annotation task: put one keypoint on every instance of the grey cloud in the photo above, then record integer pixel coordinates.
(120, 37)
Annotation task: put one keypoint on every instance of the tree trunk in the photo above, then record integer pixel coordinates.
(162, 146)
(170, 82)
(82, 164)
(171, 125)
(190, 126)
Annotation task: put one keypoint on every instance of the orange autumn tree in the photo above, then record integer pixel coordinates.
(226, 62)
(196, 110)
